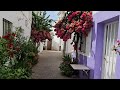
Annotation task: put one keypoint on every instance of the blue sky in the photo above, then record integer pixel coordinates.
(53, 14)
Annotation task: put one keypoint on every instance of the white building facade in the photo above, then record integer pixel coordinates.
(17, 19)
(65, 47)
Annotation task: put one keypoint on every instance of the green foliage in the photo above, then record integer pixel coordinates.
(20, 65)
(65, 67)
(3, 51)
(41, 22)
(27, 54)
(9, 73)
(28, 50)
(67, 58)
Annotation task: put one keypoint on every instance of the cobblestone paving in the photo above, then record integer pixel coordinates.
(48, 66)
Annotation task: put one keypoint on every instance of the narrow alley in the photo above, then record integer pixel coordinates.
(48, 66)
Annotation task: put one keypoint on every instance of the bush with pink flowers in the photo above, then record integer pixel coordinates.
(40, 27)
(77, 22)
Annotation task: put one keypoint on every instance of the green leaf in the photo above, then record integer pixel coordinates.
(1, 47)
(41, 22)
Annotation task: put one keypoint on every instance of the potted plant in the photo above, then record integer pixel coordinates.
(65, 67)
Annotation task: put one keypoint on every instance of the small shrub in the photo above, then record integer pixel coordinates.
(10, 73)
(65, 67)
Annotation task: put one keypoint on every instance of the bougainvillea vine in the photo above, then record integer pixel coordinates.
(40, 27)
(77, 22)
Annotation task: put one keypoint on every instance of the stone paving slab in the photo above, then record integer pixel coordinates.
(48, 66)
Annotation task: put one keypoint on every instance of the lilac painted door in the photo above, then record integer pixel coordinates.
(109, 57)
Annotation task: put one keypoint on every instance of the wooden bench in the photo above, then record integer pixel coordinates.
(83, 68)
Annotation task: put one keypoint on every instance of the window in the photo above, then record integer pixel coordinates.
(7, 26)
(85, 45)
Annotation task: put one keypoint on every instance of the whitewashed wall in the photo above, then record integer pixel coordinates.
(94, 12)
(62, 44)
(69, 47)
(40, 48)
(55, 43)
(18, 18)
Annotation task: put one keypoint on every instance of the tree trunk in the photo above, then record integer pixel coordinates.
(64, 49)
(77, 48)
(77, 53)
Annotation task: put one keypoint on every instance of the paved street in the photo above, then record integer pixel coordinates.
(48, 66)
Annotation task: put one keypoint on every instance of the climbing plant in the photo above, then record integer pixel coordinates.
(41, 25)
(74, 22)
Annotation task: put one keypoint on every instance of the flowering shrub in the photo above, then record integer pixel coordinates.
(40, 36)
(16, 56)
(40, 27)
(10, 44)
(7, 48)
(78, 23)
(75, 21)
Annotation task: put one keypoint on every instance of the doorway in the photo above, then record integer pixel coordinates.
(109, 56)
(49, 45)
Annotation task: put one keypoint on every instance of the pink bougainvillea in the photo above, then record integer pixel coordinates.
(83, 23)
(40, 36)
(78, 23)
